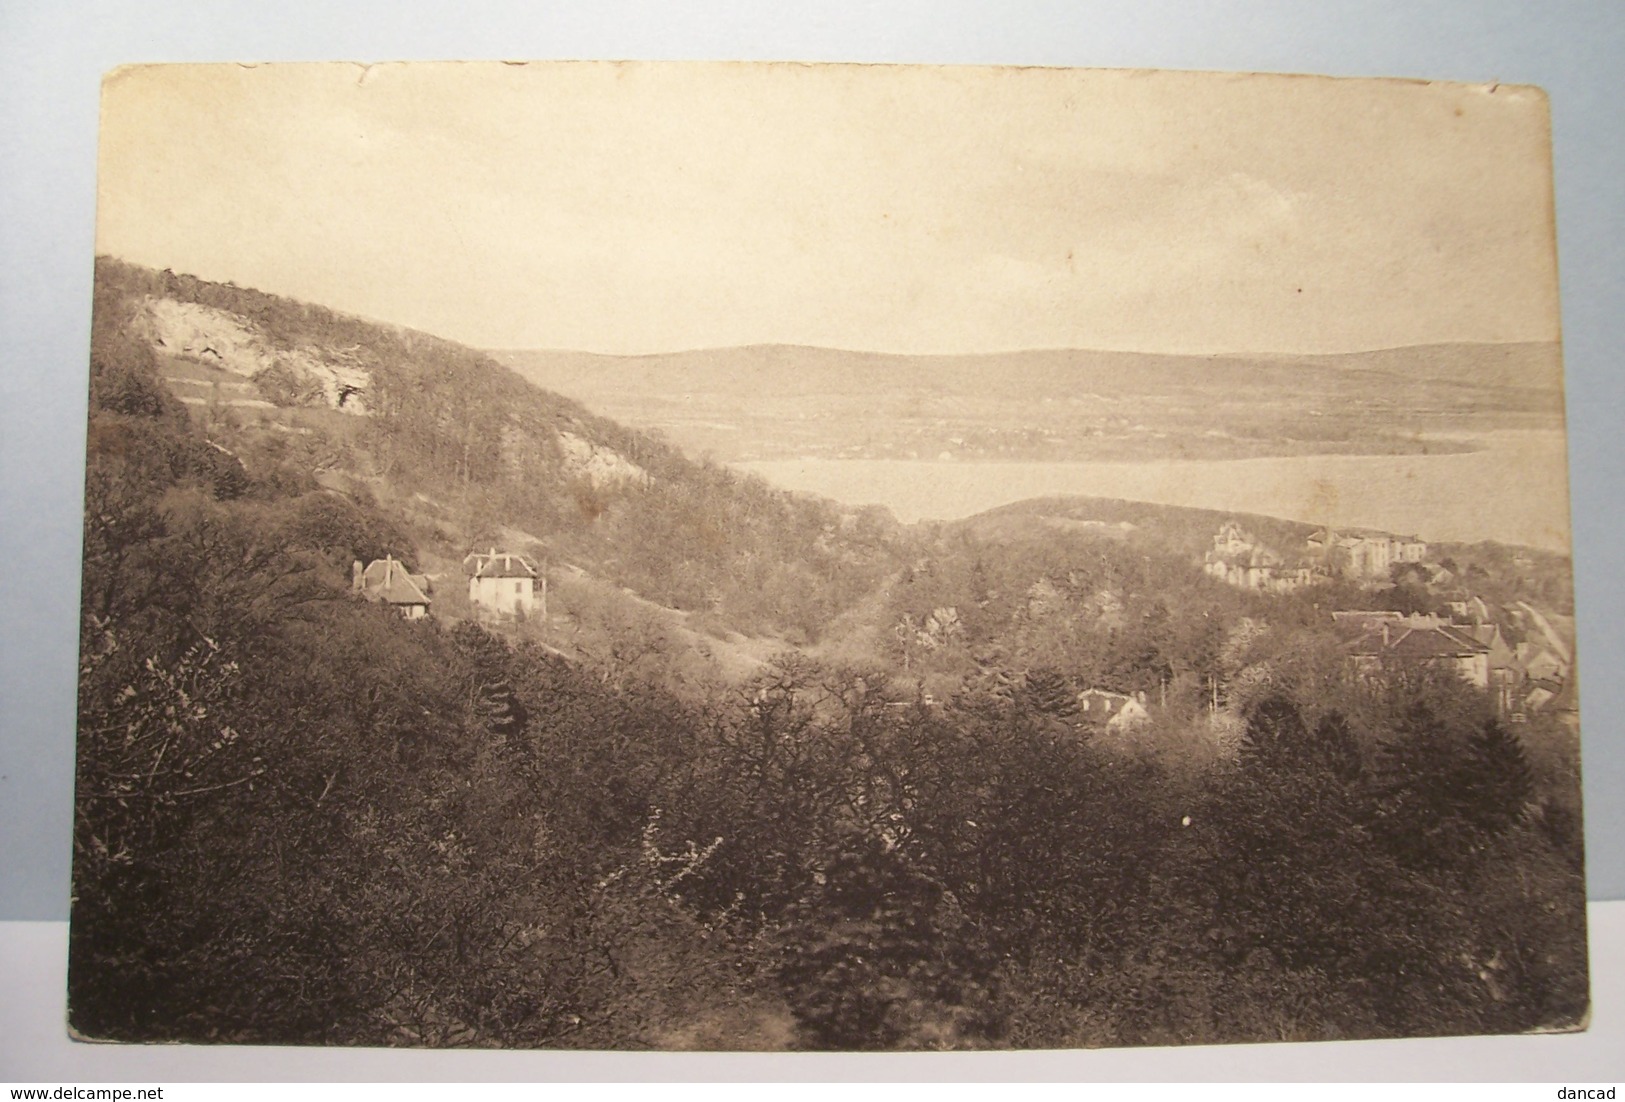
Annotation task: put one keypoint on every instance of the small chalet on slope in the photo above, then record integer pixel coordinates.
(501, 583)
(389, 581)
(1114, 711)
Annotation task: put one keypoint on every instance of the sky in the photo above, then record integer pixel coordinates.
(638, 208)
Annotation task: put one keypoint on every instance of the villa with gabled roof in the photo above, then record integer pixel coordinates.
(1380, 640)
(387, 580)
(501, 583)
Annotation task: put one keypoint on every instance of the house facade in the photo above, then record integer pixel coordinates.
(1375, 641)
(501, 583)
(1114, 711)
(1362, 555)
(1502, 660)
(388, 581)
(1238, 559)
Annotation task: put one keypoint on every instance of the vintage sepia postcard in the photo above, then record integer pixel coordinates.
(817, 557)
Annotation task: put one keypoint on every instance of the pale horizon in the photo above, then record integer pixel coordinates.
(1226, 353)
(644, 209)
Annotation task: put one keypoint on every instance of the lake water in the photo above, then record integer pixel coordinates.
(1515, 490)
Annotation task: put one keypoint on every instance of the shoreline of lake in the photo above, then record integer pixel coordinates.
(1513, 490)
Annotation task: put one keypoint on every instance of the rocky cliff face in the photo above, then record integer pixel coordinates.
(241, 366)
(600, 465)
(222, 340)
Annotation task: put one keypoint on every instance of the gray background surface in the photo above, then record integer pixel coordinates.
(52, 57)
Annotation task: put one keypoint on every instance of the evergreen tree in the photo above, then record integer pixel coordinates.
(1046, 693)
(1496, 780)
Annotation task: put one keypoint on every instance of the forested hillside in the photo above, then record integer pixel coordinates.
(302, 818)
(465, 453)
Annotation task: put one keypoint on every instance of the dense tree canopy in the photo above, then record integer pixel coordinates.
(304, 819)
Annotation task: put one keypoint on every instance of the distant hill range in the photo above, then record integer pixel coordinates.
(1532, 368)
(777, 401)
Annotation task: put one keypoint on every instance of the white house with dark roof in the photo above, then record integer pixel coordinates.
(501, 582)
(1114, 711)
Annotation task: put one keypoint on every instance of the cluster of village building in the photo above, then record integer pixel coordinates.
(1241, 560)
(1532, 674)
(501, 584)
(1530, 671)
